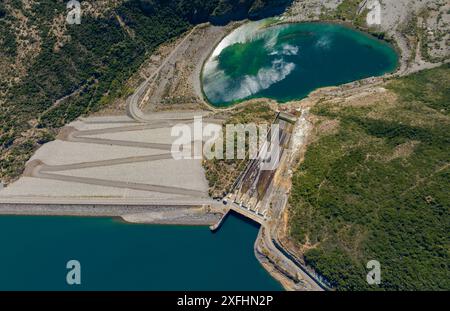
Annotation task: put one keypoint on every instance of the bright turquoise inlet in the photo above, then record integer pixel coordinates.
(289, 61)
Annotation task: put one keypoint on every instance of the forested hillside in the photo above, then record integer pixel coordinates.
(374, 186)
(43, 59)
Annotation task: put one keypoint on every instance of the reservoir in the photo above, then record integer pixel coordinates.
(118, 256)
(288, 61)
(282, 62)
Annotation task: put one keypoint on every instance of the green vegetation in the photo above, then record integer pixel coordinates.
(377, 188)
(7, 37)
(87, 65)
(430, 87)
(226, 10)
(360, 19)
(347, 10)
(97, 60)
(222, 173)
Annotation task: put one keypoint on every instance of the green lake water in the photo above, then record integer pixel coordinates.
(288, 61)
(118, 256)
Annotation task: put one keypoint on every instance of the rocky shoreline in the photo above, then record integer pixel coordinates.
(176, 215)
(285, 272)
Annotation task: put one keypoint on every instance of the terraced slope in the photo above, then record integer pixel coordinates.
(53, 72)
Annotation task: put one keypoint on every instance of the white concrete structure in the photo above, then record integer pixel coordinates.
(112, 158)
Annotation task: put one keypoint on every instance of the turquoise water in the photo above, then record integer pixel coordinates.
(282, 62)
(118, 256)
(287, 62)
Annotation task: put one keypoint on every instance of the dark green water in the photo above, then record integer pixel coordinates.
(119, 256)
(287, 62)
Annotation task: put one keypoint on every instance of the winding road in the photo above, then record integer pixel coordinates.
(133, 110)
(140, 122)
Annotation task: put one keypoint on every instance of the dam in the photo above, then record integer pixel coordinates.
(113, 165)
(252, 192)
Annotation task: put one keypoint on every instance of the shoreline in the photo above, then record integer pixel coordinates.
(401, 61)
(150, 215)
(180, 215)
(133, 214)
